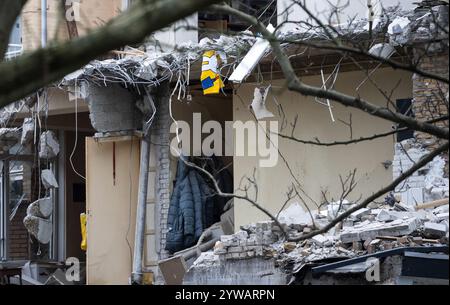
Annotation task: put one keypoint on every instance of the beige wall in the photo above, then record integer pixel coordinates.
(93, 13)
(318, 168)
(111, 209)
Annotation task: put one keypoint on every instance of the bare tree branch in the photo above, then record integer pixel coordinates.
(354, 141)
(294, 84)
(28, 73)
(228, 195)
(421, 163)
(9, 11)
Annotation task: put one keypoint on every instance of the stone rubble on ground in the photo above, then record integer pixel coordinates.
(369, 230)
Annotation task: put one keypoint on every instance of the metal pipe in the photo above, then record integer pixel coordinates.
(43, 23)
(136, 276)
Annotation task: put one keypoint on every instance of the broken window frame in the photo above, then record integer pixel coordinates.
(404, 106)
(5, 210)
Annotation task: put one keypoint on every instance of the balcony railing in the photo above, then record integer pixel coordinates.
(14, 50)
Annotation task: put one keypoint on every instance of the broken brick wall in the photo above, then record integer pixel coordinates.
(431, 96)
(161, 136)
(18, 235)
(430, 101)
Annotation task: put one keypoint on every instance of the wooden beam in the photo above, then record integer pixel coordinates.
(432, 204)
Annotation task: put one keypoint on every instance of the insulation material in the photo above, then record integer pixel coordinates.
(48, 179)
(49, 145)
(251, 59)
(41, 208)
(259, 104)
(27, 131)
(210, 77)
(40, 228)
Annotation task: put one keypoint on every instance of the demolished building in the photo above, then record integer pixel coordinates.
(102, 115)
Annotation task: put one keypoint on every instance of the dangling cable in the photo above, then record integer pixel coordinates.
(76, 135)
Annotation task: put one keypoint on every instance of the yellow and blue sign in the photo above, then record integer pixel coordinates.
(210, 78)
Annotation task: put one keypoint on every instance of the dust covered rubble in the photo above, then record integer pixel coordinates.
(366, 231)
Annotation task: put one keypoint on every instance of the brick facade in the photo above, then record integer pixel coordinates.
(18, 235)
(431, 97)
(161, 140)
(430, 101)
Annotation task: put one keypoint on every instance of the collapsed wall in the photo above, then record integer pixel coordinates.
(430, 102)
(112, 109)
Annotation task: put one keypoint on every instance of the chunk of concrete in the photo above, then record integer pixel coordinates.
(360, 213)
(48, 179)
(369, 230)
(442, 216)
(49, 145)
(27, 131)
(435, 229)
(8, 138)
(173, 270)
(334, 209)
(320, 239)
(295, 214)
(113, 109)
(42, 208)
(40, 228)
(385, 216)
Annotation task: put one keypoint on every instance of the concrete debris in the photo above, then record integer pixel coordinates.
(370, 230)
(40, 228)
(432, 229)
(383, 50)
(8, 138)
(427, 184)
(37, 221)
(49, 145)
(337, 208)
(27, 131)
(360, 213)
(41, 208)
(442, 216)
(322, 240)
(259, 104)
(398, 25)
(113, 109)
(48, 179)
(295, 214)
(9, 112)
(385, 216)
(367, 231)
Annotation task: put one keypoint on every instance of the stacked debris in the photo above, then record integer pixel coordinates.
(38, 220)
(379, 227)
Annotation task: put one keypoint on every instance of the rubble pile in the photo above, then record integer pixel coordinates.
(427, 184)
(369, 230)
